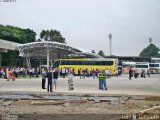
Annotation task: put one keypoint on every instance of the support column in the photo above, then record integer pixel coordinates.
(47, 57)
(28, 61)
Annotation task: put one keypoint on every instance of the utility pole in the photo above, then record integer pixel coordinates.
(110, 44)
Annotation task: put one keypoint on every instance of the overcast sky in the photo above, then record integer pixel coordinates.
(86, 23)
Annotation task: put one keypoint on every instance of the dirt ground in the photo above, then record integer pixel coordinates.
(25, 100)
(26, 110)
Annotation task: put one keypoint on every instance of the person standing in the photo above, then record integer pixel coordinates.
(49, 77)
(24, 72)
(130, 73)
(43, 78)
(93, 73)
(55, 77)
(148, 73)
(80, 73)
(70, 81)
(102, 80)
(63, 72)
(84, 73)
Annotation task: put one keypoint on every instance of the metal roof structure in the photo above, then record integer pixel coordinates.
(50, 50)
(7, 45)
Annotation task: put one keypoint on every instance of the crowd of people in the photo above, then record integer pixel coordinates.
(136, 73)
(20, 71)
(82, 73)
(32, 72)
(51, 74)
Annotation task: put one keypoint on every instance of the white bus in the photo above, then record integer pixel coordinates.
(139, 66)
(154, 68)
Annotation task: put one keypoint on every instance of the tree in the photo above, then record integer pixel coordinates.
(16, 34)
(150, 51)
(101, 53)
(52, 35)
(93, 51)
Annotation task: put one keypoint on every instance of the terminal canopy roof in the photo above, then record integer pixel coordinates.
(56, 50)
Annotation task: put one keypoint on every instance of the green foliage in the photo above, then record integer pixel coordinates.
(150, 51)
(11, 58)
(18, 35)
(52, 35)
(101, 53)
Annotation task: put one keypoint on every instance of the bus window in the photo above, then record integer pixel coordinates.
(84, 62)
(77, 62)
(91, 62)
(71, 63)
(153, 65)
(108, 62)
(97, 62)
(103, 62)
(63, 62)
(141, 66)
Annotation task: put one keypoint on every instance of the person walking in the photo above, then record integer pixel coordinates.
(55, 77)
(49, 77)
(102, 80)
(10, 75)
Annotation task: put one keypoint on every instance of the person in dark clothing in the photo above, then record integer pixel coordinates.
(55, 77)
(130, 73)
(49, 77)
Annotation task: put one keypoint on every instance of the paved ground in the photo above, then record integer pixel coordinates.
(116, 85)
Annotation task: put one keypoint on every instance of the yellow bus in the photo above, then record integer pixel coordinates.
(88, 63)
